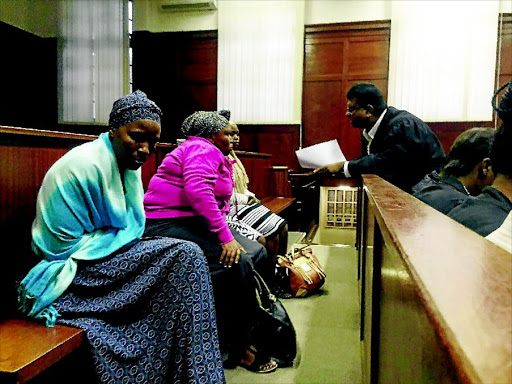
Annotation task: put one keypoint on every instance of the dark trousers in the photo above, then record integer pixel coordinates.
(233, 288)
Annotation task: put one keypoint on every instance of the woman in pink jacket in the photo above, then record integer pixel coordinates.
(188, 198)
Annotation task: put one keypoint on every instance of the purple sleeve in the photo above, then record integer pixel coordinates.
(200, 172)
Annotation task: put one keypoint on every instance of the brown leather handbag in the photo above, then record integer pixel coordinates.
(304, 271)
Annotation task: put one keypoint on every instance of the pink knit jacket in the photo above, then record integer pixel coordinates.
(195, 179)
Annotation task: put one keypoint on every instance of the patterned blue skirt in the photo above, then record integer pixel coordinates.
(148, 314)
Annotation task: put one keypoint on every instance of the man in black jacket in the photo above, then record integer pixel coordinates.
(396, 145)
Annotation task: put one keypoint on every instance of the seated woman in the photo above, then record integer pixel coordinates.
(145, 304)
(188, 198)
(246, 208)
(467, 170)
(488, 211)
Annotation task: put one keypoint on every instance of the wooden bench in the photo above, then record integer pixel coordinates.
(277, 204)
(28, 348)
(435, 296)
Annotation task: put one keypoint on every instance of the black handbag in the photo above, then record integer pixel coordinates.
(273, 330)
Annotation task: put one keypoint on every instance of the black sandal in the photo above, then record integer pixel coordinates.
(261, 362)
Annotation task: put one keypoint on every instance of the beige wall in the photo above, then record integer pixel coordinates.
(149, 16)
(40, 17)
(343, 11)
(505, 6)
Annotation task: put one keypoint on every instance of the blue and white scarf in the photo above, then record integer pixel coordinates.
(82, 213)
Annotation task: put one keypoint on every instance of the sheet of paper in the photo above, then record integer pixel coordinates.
(321, 154)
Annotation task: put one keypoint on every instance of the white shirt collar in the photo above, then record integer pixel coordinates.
(371, 134)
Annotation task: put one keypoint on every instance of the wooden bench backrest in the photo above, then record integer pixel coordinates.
(25, 157)
(437, 297)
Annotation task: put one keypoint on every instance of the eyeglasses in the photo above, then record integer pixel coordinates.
(353, 108)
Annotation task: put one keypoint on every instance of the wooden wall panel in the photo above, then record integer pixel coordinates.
(323, 104)
(29, 79)
(279, 141)
(368, 56)
(198, 62)
(448, 132)
(357, 52)
(323, 59)
(180, 76)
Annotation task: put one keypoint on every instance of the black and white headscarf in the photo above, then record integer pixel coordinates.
(203, 124)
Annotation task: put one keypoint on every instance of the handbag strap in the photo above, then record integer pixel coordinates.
(262, 287)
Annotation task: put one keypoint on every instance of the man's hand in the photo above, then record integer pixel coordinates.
(332, 168)
(231, 253)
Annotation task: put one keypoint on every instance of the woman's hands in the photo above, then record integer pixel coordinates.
(252, 200)
(231, 253)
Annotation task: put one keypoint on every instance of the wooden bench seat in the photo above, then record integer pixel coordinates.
(277, 204)
(28, 348)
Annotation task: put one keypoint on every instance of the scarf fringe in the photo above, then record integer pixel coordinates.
(26, 302)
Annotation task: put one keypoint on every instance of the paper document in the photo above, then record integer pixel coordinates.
(321, 154)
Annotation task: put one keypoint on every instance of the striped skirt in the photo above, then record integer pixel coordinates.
(148, 314)
(259, 218)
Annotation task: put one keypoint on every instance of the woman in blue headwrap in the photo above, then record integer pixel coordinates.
(146, 305)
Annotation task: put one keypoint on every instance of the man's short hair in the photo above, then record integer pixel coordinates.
(469, 148)
(367, 93)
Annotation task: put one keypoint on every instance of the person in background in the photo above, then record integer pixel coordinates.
(246, 208)
(396, 145)
(466, 172)
(487, 212)
(146, 305)
(188, 198)
(503, 235)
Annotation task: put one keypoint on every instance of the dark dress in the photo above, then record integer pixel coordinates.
(485, 213)
(441, 193)
(233, 288)
(402, 152)
(148, 314)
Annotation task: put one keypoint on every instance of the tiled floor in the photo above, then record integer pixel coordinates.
(327, 326)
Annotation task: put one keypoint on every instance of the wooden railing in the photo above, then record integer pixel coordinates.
(436, 297)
